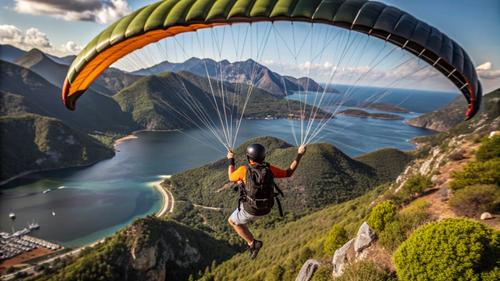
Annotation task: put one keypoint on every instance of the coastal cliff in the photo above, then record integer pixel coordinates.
(150, 249)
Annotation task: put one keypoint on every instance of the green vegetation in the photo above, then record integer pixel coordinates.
(159, 102)
(388, 162)
(477, 186)
(403, 224)
(325, 176)
(477, 172)
(453, 249)
(335, 239)
(415, 185)
(284, 245)
(489, 149)
(381, 215)
(32, 142)
(473, 200)
(180, 249)
(363, 271)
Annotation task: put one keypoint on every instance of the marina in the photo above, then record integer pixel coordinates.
(19, 247)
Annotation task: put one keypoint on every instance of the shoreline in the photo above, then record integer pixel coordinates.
(167, 199)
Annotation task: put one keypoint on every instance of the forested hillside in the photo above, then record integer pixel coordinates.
(325, 176)
(181, 100)
(32, 142)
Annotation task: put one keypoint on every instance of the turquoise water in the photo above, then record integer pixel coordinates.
(98, 200)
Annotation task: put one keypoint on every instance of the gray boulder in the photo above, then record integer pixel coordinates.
(341, 258)
(364, 239)
(307, 270)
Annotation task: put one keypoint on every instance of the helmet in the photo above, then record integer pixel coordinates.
(256, 152)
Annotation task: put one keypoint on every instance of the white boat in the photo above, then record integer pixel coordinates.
(61, 187)
(53, 213)
(46, 191)
(33, 226)
(12, 216)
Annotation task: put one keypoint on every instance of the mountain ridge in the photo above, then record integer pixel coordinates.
(248, 72)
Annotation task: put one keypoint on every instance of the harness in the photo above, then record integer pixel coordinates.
(243, 197)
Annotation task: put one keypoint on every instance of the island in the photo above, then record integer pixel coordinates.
(363, 114)
(385, 107)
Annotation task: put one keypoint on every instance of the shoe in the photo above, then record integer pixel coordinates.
(255, 248)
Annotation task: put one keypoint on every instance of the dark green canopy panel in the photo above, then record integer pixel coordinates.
(170, 17)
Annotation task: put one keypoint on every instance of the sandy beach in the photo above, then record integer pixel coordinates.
(125, 138)
(167, 198)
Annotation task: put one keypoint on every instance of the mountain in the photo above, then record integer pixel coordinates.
(453, 114)
(325, 176)
(238, 72)
(54, 69)
(149, 249)
(173, 101)
(10, 53)
(34, 94)
(32, 142)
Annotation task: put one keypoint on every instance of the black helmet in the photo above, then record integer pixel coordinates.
(256, 152)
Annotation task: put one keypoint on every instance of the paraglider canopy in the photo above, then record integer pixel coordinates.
(171, 17)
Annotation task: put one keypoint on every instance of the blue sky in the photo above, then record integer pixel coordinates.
(64, 28)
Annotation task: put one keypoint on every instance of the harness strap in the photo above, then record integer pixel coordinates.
(280, 209)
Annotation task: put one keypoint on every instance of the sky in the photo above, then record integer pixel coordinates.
(63, 27)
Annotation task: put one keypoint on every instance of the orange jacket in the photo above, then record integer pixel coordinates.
(240, 174)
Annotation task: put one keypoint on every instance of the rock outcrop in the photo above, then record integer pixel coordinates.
(364, 239)
(341, 257)
(353, 250)
(307, 270)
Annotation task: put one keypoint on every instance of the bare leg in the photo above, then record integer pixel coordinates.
(242, 231)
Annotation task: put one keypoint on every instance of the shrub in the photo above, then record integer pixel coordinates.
(404, 224)
(381, 215)
(415, 185)
(477, 173)
(335, 239)
(363, 271)
(473, 200)
(489, 149)
(452, 249)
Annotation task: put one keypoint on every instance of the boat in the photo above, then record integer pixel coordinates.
(53, 213)
(12, 216)
(33, 226)
(46, 191)
(61, 187)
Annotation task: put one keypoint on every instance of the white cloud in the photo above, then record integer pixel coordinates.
(10, 34)
(484, 66)
(71, 47)
(486, 71)
(37, 39)
(101, 11)
(34, 38)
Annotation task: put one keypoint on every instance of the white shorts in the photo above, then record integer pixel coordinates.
(241, 217)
